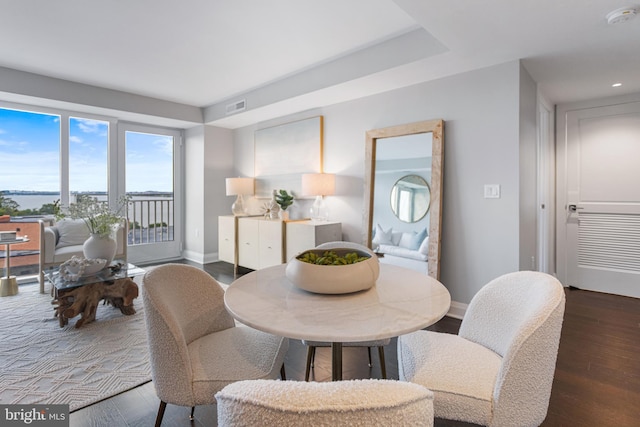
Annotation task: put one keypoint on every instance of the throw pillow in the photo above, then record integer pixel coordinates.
(424, 246)
(395, 237)
(417, 239)
(72, 232)
(382, 237)
(407, 239)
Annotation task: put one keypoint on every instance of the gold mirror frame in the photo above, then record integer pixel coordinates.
(436, 127)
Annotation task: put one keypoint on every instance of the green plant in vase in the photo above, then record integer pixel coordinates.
(284, 200)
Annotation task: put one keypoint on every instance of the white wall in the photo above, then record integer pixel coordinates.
(209, 160)
(193, 194)
(481, 109)
(528, 172)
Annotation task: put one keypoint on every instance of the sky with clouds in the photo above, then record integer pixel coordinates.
(30, 155)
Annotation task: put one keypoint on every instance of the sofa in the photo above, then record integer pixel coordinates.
(407, 249)
(64, 239)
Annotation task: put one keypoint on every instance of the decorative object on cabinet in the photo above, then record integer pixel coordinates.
(319, 185)
(284, 200)
(270, 209)
(239, 187)
(284, 152)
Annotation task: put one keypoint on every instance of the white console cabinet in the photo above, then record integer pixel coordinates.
(303, 235)
(227, 238)
(255, 242)
(259, 242)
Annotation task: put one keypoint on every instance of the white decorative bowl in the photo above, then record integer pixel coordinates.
(334, 279)
(71, 269)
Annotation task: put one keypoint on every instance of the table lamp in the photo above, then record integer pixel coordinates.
(239, 187)
(319, 185)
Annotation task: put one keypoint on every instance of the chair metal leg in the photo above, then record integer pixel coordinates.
(193, 408)
(283, 375)
(383, 366)
(311, 353)
(163, 406)
(369, 353)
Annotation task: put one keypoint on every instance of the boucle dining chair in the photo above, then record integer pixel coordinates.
(312, 345)
(195, 349)
(367, 403)
(499, 369)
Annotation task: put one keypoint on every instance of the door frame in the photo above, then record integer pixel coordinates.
(545, 183)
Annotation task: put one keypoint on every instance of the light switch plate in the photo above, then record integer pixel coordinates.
(492, 191)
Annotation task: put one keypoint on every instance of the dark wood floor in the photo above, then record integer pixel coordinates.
(597, 379)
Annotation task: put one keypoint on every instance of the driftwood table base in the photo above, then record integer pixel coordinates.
(84, 300)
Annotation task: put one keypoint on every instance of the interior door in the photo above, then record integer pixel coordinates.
(602, 211)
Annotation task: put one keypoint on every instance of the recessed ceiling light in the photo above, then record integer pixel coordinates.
(619, 16)
(616, 85)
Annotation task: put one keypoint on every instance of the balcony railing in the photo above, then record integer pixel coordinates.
(150, 221)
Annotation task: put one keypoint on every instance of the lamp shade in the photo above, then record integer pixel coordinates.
(239, 186)
(318, 184)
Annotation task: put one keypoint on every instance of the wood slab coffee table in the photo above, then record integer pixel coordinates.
(113, 284)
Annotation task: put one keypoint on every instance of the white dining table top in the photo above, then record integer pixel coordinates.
(400, 302)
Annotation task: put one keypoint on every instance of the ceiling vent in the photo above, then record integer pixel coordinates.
(619, 16)
(237, 106)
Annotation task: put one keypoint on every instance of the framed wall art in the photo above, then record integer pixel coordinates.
(284, 152)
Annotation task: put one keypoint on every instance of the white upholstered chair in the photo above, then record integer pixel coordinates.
(311, 350)
(332, 404)
(499, 369)
(195, 348)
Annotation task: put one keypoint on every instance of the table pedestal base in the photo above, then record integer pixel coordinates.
(8, 286)
(336, 361)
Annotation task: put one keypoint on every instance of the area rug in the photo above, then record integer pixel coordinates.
(42, 363)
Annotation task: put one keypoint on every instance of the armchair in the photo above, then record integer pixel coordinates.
(59, 242)
(499, 369)
(338, 403)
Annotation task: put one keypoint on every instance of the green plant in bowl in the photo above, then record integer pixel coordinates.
(335, 271)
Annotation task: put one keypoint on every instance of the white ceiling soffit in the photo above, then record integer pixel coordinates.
(357, 74)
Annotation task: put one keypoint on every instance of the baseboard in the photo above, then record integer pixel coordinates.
(199, 257)
(457, 310)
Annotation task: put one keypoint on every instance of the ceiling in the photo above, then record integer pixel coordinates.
(284, 56)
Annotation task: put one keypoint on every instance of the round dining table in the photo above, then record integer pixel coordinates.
(401, 301)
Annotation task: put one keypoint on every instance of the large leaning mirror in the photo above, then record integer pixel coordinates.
(400, 158)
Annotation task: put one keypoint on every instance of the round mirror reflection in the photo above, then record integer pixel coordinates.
(410, 198)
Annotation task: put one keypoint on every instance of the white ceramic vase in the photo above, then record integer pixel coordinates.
(97, 246)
